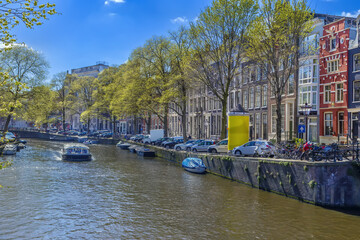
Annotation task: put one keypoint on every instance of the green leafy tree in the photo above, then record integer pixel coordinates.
(40, 106)
(60, 84)
(30, 13)
(104, 93)
(273, 43)
(218, 37)
(180, 81)
(26, 68)
(81, 97)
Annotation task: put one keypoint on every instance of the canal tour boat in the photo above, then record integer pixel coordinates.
(76, 153)
(123, 145)
(10, 149)
(194, 165)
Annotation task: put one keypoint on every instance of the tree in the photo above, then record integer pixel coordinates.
(26, 69)
(81, 97)
(179, 81)
(218, 46)
(156, 69)
(273, 44)
(133, 97)
(60, 83)
(40, 106)
(104, 94)
(28, 12)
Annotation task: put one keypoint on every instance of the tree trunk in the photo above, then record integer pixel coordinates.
(88, 125)
(148, 124)
(223, 118)
(166, 121)
(6, 127)
(63, 118)
(135, 125)
(183, 122)
(296, 79)
(114, 126)
(278, 120)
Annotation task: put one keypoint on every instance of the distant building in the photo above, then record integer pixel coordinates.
(91, 71)
(74, 119)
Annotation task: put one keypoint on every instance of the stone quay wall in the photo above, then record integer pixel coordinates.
(326, 184)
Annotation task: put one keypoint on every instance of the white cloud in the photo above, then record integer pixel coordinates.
(112, 14)
(107, 2)
(351, 14)
(179, 20)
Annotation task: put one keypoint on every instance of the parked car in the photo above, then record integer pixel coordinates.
(171, 144)
(220, 147)
(137, 137)
(106, 135)
(81, 133)
(167, 141)
(203, 146)
(159, 141)
(146, 139)
(93, 134)
(255, 148)
(182, 146)
(189, 145)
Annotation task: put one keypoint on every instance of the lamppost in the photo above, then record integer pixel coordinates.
(306, 112)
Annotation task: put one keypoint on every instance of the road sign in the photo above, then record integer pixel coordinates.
(301, 128)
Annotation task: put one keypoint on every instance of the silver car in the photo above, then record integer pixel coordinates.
(255, 148)
(182, 146)
(203, 146)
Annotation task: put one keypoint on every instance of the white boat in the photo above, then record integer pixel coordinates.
(76, 153)
(10, 149)
(123, 145)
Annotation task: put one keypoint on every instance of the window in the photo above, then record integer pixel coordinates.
(339, 92)
(291, 85)
(341, 124)
(332, 44)
(308, 94)
(245, 74)
(257, 96)
(258, 76)
(327, 94)
(264, 128)
(257, 126)
(251, 98)
(356, 86)
(328, 124)
(264, 96)
(333, 66)
(357, 62)
(245, 99)
(252, 74)
(232, 98)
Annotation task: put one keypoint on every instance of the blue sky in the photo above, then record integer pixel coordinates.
(88, 31)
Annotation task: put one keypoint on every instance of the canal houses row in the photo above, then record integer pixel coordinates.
(327, 92)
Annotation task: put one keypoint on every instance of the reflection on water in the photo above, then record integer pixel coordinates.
(122, 196)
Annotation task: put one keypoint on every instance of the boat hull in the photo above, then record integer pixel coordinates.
(196, 170)
(124, 147)
(76, 158)
(146, 153)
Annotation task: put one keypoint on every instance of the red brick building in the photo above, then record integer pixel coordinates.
(334, 47)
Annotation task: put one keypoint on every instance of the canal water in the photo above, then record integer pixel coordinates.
(122, 196)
